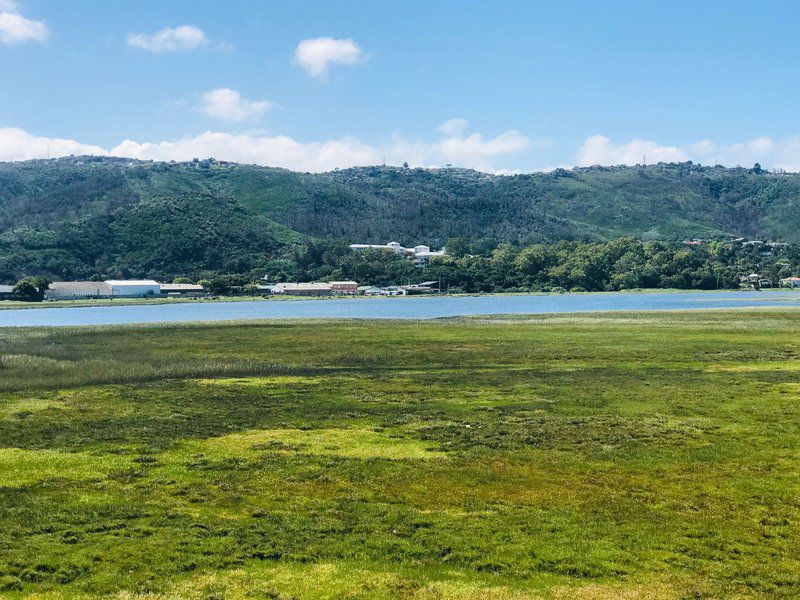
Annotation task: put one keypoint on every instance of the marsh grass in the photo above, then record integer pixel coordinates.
(630, 456)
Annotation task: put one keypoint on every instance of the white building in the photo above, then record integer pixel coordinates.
(133, 288)
(393, 246)
(76, 290)
(420, 253)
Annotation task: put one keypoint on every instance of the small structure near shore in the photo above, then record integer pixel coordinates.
(6, 292)
(185, 290)
(791, 282)
(133, 288)
(348, 288)
(302, 289)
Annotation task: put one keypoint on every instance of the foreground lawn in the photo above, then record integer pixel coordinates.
(627, 455)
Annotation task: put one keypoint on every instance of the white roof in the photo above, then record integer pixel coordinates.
(6, 289)
(181, 286)
(344, 283)
(119, 282)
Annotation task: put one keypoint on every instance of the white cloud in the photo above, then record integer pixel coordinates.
(316, 55)
(278, 150)
(18, 144)
(227, 104)
(600, 150)
(476, 152)
(16, 29)
(775, 154)
(778, 154)
(453, 126)
(170, 39)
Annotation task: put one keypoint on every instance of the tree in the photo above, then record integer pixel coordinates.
(220, 285)
(181, 280)
(206, 283)
(28, 289)
(457, 247)
(42, 283)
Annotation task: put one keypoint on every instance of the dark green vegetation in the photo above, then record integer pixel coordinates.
(74, 218)
(624, 263)
(626, 455)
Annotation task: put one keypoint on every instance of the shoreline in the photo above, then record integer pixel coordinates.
(109, 302)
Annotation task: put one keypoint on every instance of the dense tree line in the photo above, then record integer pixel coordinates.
(491, 266)
(624, 263)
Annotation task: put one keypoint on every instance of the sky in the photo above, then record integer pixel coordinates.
(502, 86)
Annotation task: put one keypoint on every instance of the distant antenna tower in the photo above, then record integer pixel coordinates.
(644, 159)
(48, 151)
(384, 161)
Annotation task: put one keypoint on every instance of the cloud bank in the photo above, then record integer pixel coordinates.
(453, 146)
(18, 144)
(776, 154)
(16, 29)
(318, 54)
(474, 150)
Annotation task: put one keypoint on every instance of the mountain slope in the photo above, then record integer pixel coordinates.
(78, 216)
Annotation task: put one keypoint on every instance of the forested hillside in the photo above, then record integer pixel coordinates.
(76, 217)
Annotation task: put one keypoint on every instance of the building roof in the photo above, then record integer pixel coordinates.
(120, 282)
(343, 282)
(6, 289)
(181, 287)
(303, 286)
(79, 286)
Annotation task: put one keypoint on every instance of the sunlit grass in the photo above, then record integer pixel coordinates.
(608, 456)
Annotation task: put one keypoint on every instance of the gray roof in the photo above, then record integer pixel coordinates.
(178, 287)
(6, 289)
(67, 287)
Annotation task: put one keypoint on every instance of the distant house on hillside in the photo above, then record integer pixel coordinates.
(302, 289)
(77, 290)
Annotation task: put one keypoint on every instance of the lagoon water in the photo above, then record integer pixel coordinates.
(413, 307)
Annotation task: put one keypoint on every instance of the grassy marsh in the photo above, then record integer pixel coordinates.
(595, 456)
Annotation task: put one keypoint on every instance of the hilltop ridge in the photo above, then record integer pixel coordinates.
(75, 216)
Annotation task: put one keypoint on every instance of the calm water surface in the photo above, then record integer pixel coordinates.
(415, 307)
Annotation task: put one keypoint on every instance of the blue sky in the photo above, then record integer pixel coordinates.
(519, 86)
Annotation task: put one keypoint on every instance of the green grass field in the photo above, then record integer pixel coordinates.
(610, 456)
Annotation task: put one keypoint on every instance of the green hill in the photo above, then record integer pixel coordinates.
(83, 215)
